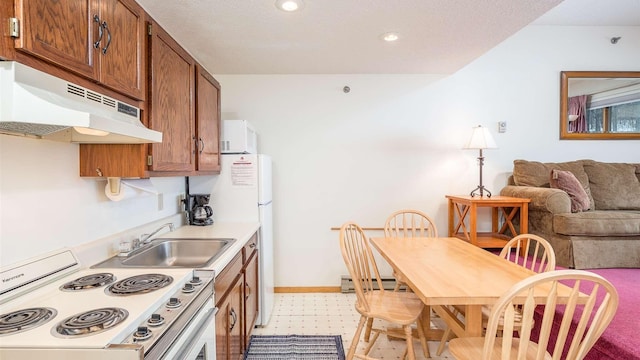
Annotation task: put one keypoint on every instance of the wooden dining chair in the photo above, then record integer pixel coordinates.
(585, 313)
(408, 223)
(398, 308)
(541, 258)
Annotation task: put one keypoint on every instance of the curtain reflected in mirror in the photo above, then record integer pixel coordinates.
(599, 105)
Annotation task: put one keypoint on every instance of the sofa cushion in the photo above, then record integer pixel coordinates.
(614, 186)
(598, 223)
(567, 182)
(535, 173)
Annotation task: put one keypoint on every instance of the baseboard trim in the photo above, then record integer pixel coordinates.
(388, 283)
(307, 289)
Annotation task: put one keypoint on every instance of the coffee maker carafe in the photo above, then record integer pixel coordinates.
(200, 213)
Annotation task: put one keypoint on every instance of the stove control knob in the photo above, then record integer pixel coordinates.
(155, 320)
(143, 333)
(196, 281)
(173, 303)
(188, 288)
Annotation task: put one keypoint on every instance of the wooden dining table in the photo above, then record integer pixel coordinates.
(448, 271)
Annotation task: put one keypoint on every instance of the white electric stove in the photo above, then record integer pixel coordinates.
(51, 308)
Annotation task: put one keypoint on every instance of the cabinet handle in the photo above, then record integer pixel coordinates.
(195, 141)
(234, 318)
(100, 33)
(201, 145)
(106, 47)
(248, 290)
(252, 245)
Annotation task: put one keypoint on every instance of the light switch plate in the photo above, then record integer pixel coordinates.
(502, 126)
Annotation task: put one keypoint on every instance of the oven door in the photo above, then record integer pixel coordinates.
(198, 340)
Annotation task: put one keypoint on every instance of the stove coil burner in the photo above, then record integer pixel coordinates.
(25, 319)
(90, 322)
(88, 282)
(139, 284)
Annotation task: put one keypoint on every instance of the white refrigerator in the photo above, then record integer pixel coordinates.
(241, 193)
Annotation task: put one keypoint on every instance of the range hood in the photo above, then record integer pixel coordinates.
(36, 104)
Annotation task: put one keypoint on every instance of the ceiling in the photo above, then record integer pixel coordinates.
(344, 36)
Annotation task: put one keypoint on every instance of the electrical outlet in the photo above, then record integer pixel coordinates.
(502, 126)
(160, 201)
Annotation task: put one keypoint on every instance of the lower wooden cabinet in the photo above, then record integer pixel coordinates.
(250, 273)
(237, 301)
(229, 328)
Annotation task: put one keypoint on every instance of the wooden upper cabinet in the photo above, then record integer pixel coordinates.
(182, 102)
(99, 39)
(171, 103)
(121, 64)
(61, 32)
(108, 160)
(208, 121)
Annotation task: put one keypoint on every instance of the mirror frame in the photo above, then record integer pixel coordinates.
(564, 105)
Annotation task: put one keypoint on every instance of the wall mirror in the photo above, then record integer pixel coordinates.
(599, 105)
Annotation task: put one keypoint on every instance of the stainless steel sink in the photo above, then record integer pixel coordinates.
(166, 253)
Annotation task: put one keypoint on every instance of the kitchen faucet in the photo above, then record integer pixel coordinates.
(146, 238)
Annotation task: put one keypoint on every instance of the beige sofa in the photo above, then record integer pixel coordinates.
(607, 234)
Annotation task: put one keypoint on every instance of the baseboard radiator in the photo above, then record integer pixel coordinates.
(388, 283)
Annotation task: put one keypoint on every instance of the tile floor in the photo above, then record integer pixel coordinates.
(331, 314)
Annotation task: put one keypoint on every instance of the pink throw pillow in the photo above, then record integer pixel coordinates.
(567, 182)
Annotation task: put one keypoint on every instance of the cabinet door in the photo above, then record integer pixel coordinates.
(230, 318)
(121, 52)
(61, 32)
(222, 330)
(171, 103)
(236, 318)
(113, 160)
(251, 294)
(229, 324)
(208, 121)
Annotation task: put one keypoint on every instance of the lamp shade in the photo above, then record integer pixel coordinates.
(481, 139)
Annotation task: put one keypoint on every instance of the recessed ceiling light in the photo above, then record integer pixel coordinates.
(289, 5)
(390, 36)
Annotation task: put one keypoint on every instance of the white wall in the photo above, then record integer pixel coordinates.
(395, 141)
(45, 205)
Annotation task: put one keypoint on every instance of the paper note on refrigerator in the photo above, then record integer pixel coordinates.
(243, 173)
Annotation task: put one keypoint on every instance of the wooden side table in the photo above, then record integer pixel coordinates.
(462, 207)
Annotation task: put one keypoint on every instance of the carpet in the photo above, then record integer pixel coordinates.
(299, 347)
(620, 339)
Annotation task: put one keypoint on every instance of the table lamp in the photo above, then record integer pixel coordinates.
(481, 139)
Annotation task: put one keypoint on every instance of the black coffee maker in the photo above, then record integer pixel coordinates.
(199, 212)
